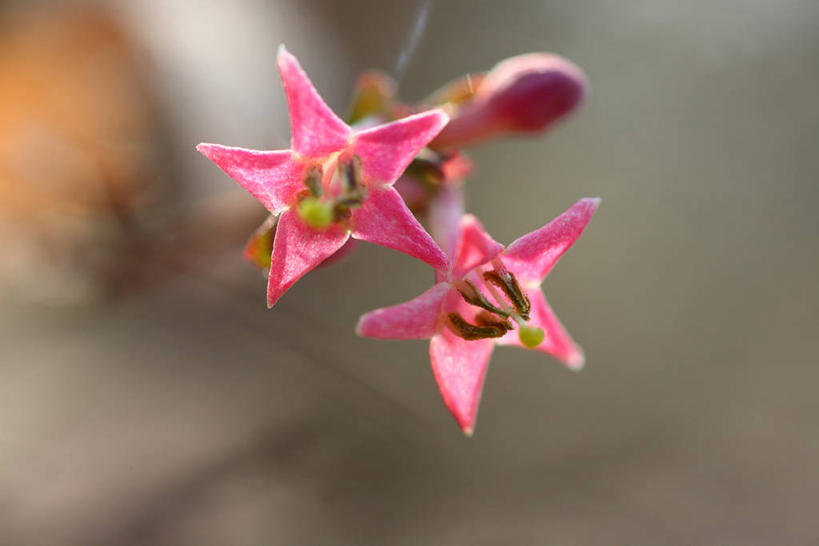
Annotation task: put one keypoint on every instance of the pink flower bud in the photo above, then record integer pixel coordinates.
(521, 95)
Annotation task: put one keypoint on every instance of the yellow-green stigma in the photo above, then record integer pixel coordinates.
(530, 336)
(316, 213)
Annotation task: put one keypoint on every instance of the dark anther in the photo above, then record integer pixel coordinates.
(341, 212)
(509, 284)
(312, 179)
(350, 173)
(488, 319)
(470, 332)
(350, 201)
(474, 297)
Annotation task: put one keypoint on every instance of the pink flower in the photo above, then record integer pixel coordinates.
(335, 183)
(491, 295)
(520, 95)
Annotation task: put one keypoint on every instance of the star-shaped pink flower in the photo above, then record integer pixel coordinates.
(491, 295)
(334, 183)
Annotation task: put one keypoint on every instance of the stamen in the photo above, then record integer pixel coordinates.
(342, 205)
(312, 179)
(507, 282)
(351, 200)
(350, 174)
(473, 296)
(485, 318)
(341, 212)
(353, 192)
(494, 321)
(470, 332)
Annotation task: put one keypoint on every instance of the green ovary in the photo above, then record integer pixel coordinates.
(530, 336)
(315, 213)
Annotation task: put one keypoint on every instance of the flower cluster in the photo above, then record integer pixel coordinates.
(390, 164)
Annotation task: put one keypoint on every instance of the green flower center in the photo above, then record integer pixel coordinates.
(316, 213)
(346, 190)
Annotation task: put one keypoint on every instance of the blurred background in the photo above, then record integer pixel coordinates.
(147, 396)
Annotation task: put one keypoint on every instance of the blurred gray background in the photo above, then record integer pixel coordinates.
(182, 411)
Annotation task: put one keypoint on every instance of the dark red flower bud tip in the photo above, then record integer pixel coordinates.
(524, 94)
(529, 92)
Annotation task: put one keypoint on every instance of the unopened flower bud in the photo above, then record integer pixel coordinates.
(372, 95)
(259, 248)
(260, 245)
(521, 95)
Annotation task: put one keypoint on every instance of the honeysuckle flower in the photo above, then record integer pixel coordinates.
(334, 183)
(490, 296)
(520, 95)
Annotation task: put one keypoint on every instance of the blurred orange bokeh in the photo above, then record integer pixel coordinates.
(75, 117)
(77, 131)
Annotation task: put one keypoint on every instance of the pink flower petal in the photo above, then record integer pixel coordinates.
(271, 177)
(413, 192)
(460, 367)
(341, 254)
(532, 256)
(475, 247)
(297, 249)
(385, 220)
(557, 341)
(414, 319)
(316, 130)
(388, 149)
